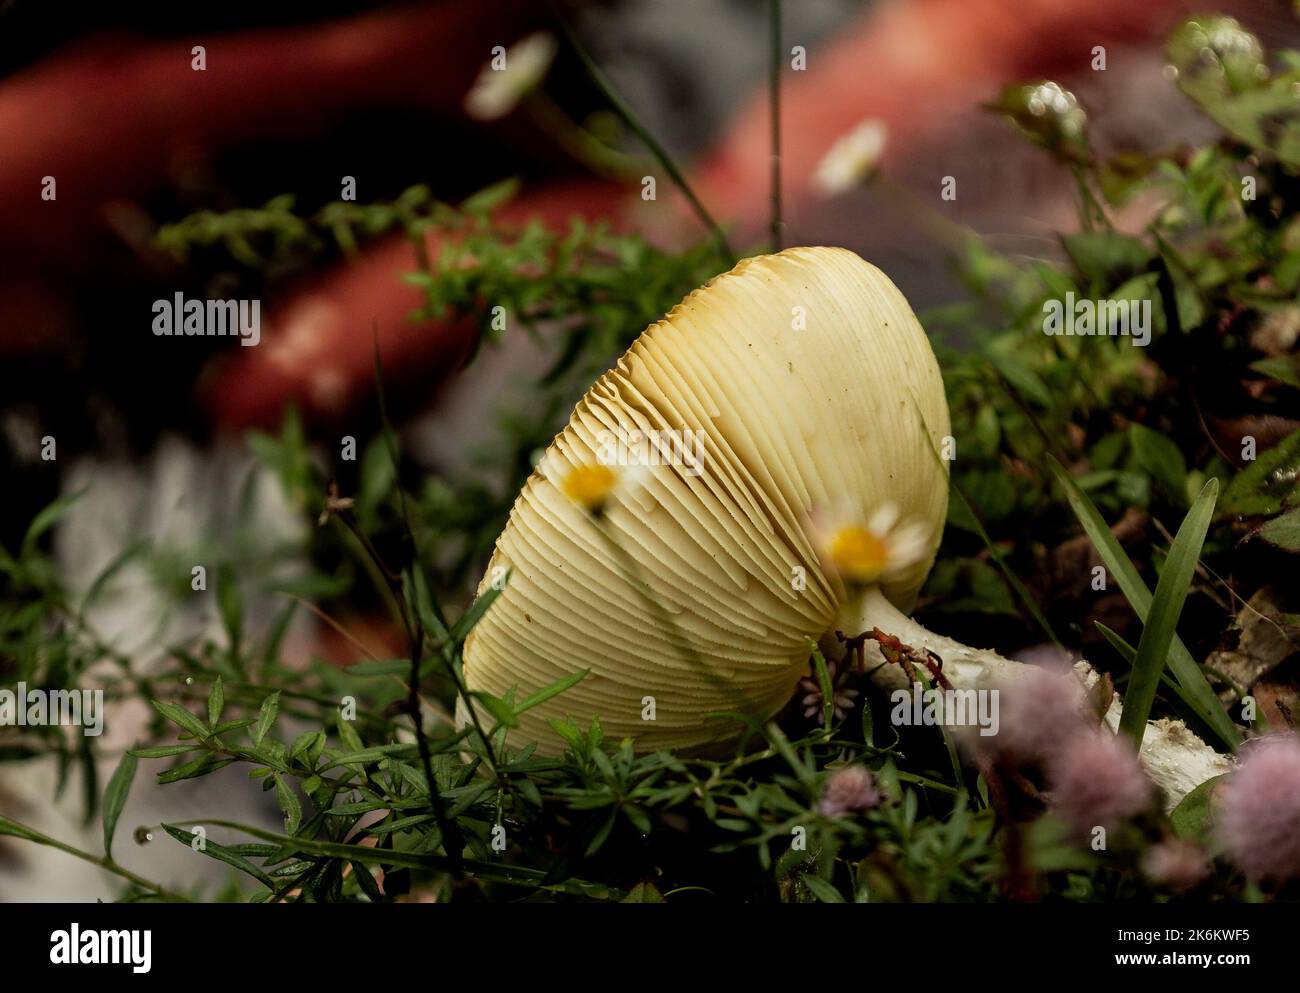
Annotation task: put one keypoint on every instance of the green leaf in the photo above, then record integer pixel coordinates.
(1191, 818)
(990, 495)
(416, 586)
(372, 754)
(288, 801)
(367, 882)
(821, 889)
(568, 731)
(1199, 694)
(490, 197)
(271, 647)
(555, 689)
(221, 854)
(1166, 607)
(115, 794)
(1284, 531)
(1022, 379)
(201, 766)
(1283, 368)
(777, 739)
(377, 478)
(1161, 459)
(230, 607)
(181, 718)
(47, 518)
(1123, 174)
(348, 734)
(461, 629)
(1106, 258)
(163, 751)
(216, 702)
(1267, 483)
(15, 830)
(225, 727)
(266, 717)
(307, 747)
(119, 562)
(988, 430)
(1050, 847)
(498, 708)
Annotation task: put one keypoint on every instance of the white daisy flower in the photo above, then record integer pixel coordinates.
(497, 91)
(852, 159)
(865, 554)
(590, 484)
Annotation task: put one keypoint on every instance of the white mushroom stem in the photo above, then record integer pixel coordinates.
(1175, 758)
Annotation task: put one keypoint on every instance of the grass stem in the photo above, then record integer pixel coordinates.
(633, 123)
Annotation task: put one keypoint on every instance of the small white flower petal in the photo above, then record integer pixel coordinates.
(496, 92)
(883, 520)
(907, 545)
(851, 159)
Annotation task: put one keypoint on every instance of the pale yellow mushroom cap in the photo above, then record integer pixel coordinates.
(811, 385)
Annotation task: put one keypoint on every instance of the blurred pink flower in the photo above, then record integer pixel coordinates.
(1096, 780)
(1175, 863)
(848, 789)
(1259, 815)
(1038, 714)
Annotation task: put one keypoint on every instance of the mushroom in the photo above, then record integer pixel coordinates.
(720, 500)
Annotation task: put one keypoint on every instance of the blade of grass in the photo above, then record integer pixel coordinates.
(1128, 653)
(633, 123)
(1166, 607)
(1200, 695)
(824, 683)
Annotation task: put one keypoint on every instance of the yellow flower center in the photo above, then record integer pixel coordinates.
(589, 486)
(858, 555)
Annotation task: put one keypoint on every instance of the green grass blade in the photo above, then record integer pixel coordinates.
(1128, 653)
(1166, 607)
(824, 682)
(1200, 696)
